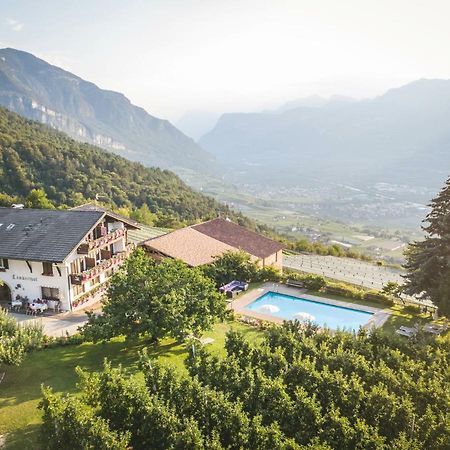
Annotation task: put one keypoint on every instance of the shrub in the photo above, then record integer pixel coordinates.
(269, 273)
(378, 296)
(17, 339)
(345, 290)
(313, 282)
(232, 266)
(412, 309)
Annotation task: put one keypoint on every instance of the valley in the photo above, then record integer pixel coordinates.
(370, 221)
(224, 225)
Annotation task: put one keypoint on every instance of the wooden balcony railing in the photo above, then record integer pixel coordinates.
(114, 261)
(85, 247)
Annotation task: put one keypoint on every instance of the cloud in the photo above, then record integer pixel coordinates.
(14, 24)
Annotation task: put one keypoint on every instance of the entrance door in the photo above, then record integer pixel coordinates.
(5, 294)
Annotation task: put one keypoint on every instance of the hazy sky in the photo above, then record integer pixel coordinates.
(170, 56)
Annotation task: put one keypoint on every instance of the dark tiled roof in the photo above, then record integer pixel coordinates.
(239, 237)
(43, 234)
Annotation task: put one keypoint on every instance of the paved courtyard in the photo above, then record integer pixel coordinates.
(350, 270)
(62, 324)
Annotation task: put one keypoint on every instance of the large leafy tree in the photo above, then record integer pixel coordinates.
(232, 265)
(428, 261)
(157, 299)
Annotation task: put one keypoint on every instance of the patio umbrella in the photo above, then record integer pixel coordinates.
(269, 309)
(304, 317)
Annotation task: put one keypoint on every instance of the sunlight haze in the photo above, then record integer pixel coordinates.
(172, 56)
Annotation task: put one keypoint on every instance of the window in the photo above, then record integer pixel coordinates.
(4, 264)
(50, 293)
(47, 268)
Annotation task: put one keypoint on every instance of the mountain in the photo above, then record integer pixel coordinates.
(197, 123)
(33, 156)
(400, 137)
(313, 101)
(37, 90)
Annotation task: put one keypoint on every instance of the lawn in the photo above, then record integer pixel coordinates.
(20, 390)
(354, 301)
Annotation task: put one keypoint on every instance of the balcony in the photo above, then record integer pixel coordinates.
(114, 261)
(86, 247)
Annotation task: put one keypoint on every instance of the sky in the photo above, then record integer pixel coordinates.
(175, 56)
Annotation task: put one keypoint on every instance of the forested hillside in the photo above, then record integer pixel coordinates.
(33, 156)
(37, 90)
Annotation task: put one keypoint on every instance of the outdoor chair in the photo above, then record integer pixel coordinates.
(407, 331)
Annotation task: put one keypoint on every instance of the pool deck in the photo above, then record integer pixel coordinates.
(239, 304)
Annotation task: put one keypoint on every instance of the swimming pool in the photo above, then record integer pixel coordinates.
(288, 307)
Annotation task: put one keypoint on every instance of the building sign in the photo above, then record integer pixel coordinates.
(20, 277)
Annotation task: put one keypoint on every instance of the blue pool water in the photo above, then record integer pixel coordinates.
(288, 307)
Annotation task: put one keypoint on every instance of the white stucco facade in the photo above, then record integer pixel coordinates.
(74, 280)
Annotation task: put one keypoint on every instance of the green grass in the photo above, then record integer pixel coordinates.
(353, 301)
(402, 317)
(20, 391)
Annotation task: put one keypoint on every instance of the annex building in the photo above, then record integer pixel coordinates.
(200, 244)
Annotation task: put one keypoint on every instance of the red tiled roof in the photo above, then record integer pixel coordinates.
(189, 245)
(239, 237)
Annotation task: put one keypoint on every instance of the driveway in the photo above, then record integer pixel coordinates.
(56, 325)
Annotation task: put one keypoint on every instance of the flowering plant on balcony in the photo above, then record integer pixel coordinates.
(107, 238)
(105, 265)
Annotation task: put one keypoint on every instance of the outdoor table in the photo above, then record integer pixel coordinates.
(40, 307)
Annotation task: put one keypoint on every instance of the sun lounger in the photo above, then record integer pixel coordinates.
(407, 331)
(435, 328)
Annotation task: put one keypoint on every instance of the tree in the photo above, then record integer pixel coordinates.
(392, 289)
(157, 299)
(144, 215)
(232, 265)
(35, 156)
(7, 200)
(37, 198)
(69, 423)
(295, 388)
(17, 339)
(428, 261)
